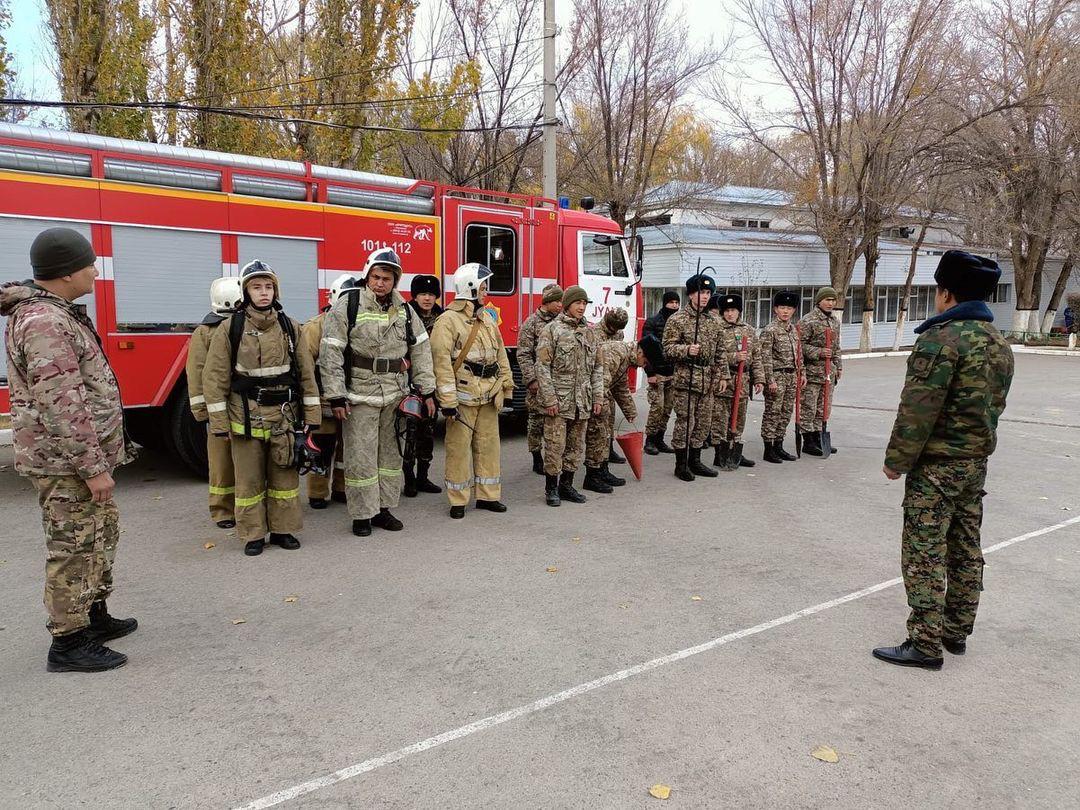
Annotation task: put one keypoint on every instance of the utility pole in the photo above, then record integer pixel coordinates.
(550, 122)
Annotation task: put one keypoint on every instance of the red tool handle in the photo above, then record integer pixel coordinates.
(828, 374)
(738, 389)
(798, 375)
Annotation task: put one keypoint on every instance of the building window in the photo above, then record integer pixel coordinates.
(1000, 295)
(738, 223)
(750, 223)
(496, 248)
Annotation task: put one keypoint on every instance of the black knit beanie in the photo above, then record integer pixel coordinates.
(59, 252)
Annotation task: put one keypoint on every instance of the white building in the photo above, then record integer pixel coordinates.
(756, 242)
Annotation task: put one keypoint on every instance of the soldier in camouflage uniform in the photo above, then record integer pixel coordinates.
(571, 390)
(958, 376)
(423, 299)
(734, 332)
(813, 331)
(659, 377)
(781, 360)
(690, 341)
(550, 307)
(615, 357)
(68, 427)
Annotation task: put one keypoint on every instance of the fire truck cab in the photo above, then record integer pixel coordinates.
(165, 221)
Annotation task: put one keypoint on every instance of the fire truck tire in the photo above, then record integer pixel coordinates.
(186, 437)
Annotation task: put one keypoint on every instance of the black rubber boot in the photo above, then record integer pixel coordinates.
(811, 444)
(771, 455)
(720, 456)
(104, 627)
(538, 462)
(253, 548)
(491, 506)
(682, 471)
(385, 520)
(339, 497)
(595, 483)
(227, 523)
(907, 655)
(318, 503)
(743, 460)
(613, 456)
(650, 446)
(781, 453)
(457, 512)
(610, 478)
(696, 467)
(361, 528)
(551, 490)
(423, 483)
(409, 490)
(566, 489)
(660, 444)
(79, 652)
(285, 541)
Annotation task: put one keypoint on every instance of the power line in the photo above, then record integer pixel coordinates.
(377, 102)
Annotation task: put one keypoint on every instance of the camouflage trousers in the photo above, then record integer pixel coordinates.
(372, 460)
(472, 455)
(80, 541)
(812, 406)
(720, 427)
(779, 406)
(267, 494)
(328, 438)
(693, 418)
(222, 484)
(535, 429)
(564, 444)
(941, 552)
(661, 400)
(598, 435)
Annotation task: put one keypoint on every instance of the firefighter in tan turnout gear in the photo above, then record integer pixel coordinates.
(226, 296)
(321, 489)
(259, 384)
(473, 378)
(374, 349)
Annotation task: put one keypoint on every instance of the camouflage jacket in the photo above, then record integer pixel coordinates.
(196, 361)
(567, 367)
(65, 402)
(696, 373)
(615, 357)
(958, 376)
(427, 319)
(526, 348)
(779, 349)
(731, 340)
(812, 329)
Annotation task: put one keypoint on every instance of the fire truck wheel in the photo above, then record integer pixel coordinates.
(186, 436)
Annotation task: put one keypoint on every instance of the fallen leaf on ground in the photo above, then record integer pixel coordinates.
(158, 497)
(239, 621)
(825, 754)
(292, 598)
(695, 598)
(1044, 498)
(575, 539)
(624, 606)
(551, 569)
(209, 546)
(660, 791)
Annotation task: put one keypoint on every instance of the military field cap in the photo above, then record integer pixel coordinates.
(425, 284)
(823, 293)
(670, 296)
(699, 282)
(615, 319)
(653, 350)
(966, 275)
(59, 252)
(786, 298)
(552, 293)
(730, 301)
(573, 294)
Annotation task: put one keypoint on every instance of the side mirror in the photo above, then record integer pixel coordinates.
(639, 249)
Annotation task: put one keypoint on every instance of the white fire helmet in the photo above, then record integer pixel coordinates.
(226, 295)
(342, 283)
(259, 269)
(468, 278)
(385, 256)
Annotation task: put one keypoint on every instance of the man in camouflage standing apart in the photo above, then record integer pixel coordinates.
(781, 359)
(734, 333)
(68, 427)
(815, 329)
(615, 357)
(423, 299)
(550, 307)
(690, 341)
(571, 390)
(958, 376)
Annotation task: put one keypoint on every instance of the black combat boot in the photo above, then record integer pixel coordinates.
(595, 483)
(285, 541)
(339, 497)
(538, 462)
(682, 471)
(610, 478)
(696, 467)
(907, 655)
(613, 456)
(660, 445)
(781, 453)
(811, 444)
(318, 503)
(423, 484)
(566, 488)
(650, 446)
(771, 455)
(253, 548)
(409, 489)
(104, 627)
(954, 646)
(551, 490)
(362, 528)
(720, 456)
(738, 454)
(491, 506)
(385, 520)
(79, 652)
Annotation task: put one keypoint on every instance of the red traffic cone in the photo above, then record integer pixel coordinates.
(632, 445)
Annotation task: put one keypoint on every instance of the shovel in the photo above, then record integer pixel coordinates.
(732, 461)
(798, 396)
(826, 437)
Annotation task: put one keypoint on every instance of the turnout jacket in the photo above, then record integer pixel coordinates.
(377, 334)
(66, 415)
(958, 376)
(198, 346)
(731, 338)
(812, 330)
(311, 337)
(693, 372)
(567, 367)
(448, 339)
(780, 349)
(526, 348)
(263, 353)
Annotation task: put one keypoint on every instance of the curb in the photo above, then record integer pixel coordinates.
(5, 438)
(1016, 350)
(865, 355)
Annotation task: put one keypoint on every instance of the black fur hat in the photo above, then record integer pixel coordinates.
(967, 276)
(425, 284)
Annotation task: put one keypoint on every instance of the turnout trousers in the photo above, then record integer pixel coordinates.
(80, 541)
(941, 552)
(222, 484)
(372, 460)
(779, 407)
(267, 494)
(472, 455)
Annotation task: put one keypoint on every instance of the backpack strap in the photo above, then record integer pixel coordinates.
(351, 310)
(469, 341)
(236, 334)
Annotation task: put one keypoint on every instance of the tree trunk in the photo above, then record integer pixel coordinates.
(901, 312)
(1059, 290)
(871, 256)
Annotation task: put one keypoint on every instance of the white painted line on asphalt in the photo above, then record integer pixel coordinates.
(560, 697)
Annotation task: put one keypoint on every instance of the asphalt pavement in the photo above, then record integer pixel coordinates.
(706, 636)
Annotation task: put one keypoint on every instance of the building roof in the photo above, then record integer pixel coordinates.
(729, 195)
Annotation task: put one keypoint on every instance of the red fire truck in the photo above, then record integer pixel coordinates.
(165, 221)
